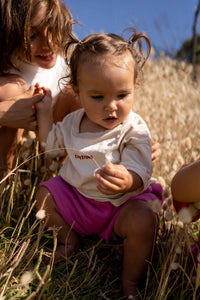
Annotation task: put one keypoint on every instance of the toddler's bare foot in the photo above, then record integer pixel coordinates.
(131, 290)
(59, 256)
(131, 297)
(60, 253)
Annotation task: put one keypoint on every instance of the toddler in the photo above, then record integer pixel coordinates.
(105, 184)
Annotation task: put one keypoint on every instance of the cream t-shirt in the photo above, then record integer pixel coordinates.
(128, 144)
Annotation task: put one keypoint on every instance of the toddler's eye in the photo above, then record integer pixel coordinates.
(121, 96)
(97, 97)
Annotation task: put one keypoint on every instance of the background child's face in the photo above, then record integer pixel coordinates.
(106, 89)
(43, 54)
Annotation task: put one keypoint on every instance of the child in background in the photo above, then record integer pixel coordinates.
(185, 189)
(105, 184)
(32, 41)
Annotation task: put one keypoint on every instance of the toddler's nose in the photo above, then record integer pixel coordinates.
(111, 106)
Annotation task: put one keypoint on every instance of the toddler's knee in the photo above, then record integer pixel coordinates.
(41, 197)
(144, 223)
(148, 222)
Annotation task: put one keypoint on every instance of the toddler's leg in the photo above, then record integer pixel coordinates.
(67, 238)
(136, 224)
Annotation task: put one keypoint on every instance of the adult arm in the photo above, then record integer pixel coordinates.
(20, 113)
(185, 185)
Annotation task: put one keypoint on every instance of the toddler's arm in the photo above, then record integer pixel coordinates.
(185, 185)
(44, 116)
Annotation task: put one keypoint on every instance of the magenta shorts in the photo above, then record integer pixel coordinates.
(88, 216)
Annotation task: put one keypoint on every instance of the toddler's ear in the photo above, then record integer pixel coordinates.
(76, 92)
(75, 89)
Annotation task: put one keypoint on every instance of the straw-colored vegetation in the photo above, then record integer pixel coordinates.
(169, 102)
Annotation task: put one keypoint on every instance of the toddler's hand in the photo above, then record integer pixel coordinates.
(44, 106)
(38, 89)
(44, 116)
(113, 179)
(44, 109)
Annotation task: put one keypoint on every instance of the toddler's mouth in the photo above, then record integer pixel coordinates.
(111, 118)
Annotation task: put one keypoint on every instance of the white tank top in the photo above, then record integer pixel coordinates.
(48, 78)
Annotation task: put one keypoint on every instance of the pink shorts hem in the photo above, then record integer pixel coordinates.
(88, 216)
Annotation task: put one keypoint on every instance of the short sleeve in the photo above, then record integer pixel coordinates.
(55, 142)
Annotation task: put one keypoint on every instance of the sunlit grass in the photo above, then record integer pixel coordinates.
(169, 102)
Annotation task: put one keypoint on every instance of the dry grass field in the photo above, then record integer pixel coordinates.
(169, 102)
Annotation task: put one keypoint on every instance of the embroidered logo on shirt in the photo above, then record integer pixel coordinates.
(83, 156)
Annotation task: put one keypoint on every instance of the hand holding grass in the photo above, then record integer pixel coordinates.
(114, 179)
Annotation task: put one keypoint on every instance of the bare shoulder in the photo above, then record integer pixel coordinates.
(67, 103)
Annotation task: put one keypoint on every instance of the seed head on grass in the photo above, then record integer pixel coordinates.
(186, 214)
(26, 278)
(155, 206)
(32, 135)
(178, 250)
(27, 182)
(168, 215)
(180, 159)
(166, 192)
(188, 143)
(174, 266)
(41, 214)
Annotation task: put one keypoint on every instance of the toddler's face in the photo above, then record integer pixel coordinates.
(106, 89)
(44, 54)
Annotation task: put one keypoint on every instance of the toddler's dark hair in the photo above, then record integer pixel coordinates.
(112, 44)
